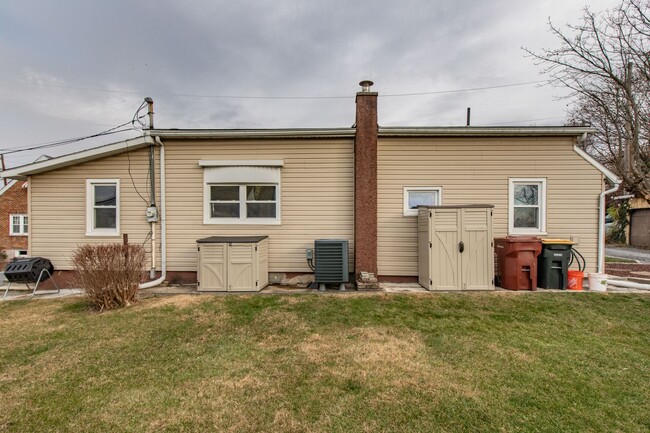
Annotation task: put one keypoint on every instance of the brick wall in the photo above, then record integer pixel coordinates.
(13, 201)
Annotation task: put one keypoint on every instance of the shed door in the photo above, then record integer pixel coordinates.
(640, 228)
(212, 269)
(241, 272)
(445, 260)
(476, 262)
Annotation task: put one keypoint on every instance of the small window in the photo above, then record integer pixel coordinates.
(420, 196)
(102, 210)
(527, 206)
(21, 253)
(18, 225)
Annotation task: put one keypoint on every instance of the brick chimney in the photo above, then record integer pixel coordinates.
(365, 188)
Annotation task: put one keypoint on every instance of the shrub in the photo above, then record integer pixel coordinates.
(109, 273)
(618, 232)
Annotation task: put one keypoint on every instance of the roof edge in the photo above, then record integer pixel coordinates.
(597, 165)
(8, 186)
(21, 172)
(253, 133)
(485, 131)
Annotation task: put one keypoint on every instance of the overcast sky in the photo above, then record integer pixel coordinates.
(74, 68)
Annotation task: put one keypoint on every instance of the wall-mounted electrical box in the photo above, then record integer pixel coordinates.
(152, 214)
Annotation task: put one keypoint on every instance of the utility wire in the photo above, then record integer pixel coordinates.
(113, 130)
(190, 95)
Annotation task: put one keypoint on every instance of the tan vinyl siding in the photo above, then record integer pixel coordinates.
(317, 198)
(58, 206)
(476, 170)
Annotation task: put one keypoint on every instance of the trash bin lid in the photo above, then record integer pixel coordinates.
(558, 242)
(518, 239)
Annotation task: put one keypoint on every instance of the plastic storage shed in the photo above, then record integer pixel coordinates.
(553, 264)
(233, 264)
(517, 262)
(455, 249)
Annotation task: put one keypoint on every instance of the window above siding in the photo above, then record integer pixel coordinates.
(102, 207)
(415, 196)
(527, 206)
(241, 194)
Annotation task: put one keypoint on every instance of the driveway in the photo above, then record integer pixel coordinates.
(639, 254)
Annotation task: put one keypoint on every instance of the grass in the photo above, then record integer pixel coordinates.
(505, 362)
(618, 260)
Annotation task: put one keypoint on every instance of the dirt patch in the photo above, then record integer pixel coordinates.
(179, 301)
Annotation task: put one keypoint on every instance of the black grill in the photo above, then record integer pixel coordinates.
(28, 270)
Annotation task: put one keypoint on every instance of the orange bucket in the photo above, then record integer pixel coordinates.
(575, 280)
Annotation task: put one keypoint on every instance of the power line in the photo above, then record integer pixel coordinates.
(110, 131)
(281, 97)
(113, 130)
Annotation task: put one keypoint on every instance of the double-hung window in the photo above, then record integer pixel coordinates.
(241, 192)
(102, 207)
(527, 206)
(18, 225)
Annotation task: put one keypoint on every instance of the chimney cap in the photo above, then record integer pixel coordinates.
(148, 100)
(365, 85)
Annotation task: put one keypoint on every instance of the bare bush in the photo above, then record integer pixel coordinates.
(109, 273)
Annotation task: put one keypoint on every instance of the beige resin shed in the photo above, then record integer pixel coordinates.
(455, 247)
(233, 264)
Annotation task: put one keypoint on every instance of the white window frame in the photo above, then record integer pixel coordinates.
(22, 231)
(407, 189)
(90, 206)
(243, 218)
(541, 196)
(242, 173)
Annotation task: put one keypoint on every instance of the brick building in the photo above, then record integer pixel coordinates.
(14, 222)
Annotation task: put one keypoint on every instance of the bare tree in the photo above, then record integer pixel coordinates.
(605, 61)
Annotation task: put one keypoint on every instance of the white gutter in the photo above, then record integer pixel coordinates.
(484, 131)
(253, 133)
(41, 166)
(601, 202)
(163, 225)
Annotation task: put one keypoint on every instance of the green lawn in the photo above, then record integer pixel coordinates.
(476, 362)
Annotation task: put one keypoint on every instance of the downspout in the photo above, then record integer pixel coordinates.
(152, 212)
(601, 226)
(601, 200)
(163, 225)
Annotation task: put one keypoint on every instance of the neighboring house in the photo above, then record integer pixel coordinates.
(298, 185)
(14, 219)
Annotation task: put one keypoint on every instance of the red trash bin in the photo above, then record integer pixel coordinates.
(517, 261)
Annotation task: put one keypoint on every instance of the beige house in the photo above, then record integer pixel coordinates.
(295, 186)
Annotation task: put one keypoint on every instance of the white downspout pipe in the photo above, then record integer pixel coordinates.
(601, 226)
(629, 284)
(601, 201)
(163, 225)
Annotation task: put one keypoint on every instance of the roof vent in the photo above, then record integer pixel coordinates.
(365, 85)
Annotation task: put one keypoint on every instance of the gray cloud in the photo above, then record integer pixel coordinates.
(265, 48)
